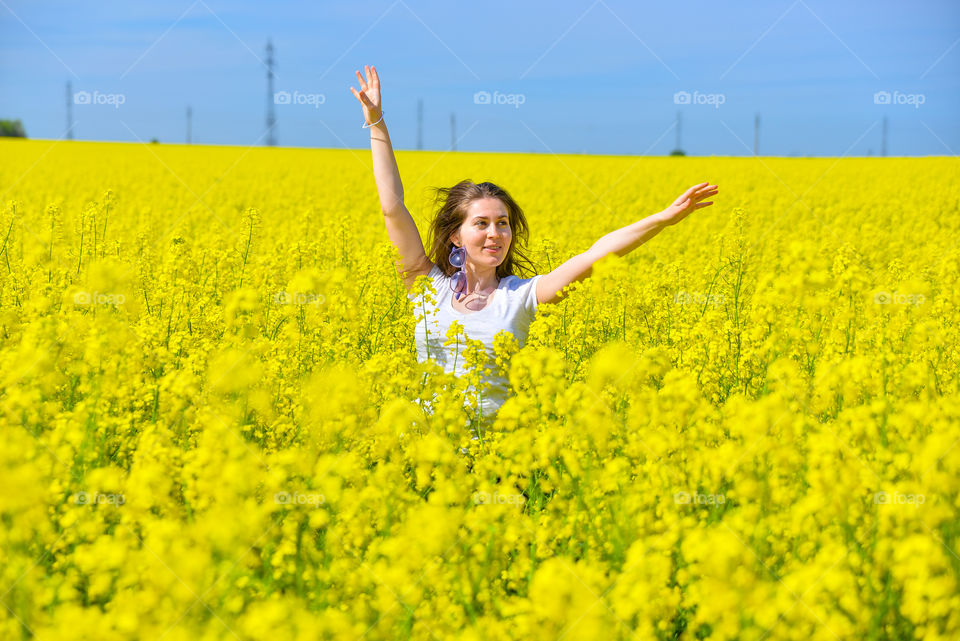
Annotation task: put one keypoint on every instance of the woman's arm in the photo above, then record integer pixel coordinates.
(385, 170)
(401, 228)
(621, 242)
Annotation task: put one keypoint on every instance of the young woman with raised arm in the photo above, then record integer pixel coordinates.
(479, 236)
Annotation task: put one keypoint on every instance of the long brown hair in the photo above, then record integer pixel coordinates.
(453, 209)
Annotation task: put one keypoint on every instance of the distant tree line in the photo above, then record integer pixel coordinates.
(12, 128)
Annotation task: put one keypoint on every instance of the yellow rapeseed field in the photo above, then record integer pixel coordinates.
(748, 428)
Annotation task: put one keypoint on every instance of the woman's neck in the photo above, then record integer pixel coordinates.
(483, 279)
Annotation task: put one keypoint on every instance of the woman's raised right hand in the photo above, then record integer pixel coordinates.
(369, 94)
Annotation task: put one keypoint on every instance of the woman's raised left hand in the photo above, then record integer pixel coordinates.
(688, 202)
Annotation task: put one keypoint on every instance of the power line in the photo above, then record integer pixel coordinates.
(420, 123)
(271, 117)
(883, 139)
(679, 127)
(678, 150)
(69, 111)
(756, 134)
(453, 132)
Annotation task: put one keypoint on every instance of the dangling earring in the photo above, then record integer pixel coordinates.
(458, 283)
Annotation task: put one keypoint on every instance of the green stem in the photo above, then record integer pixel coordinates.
(103, 236)
(3, 250)
(80, 253)
(246, 252)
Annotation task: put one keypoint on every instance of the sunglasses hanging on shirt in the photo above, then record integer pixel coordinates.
(458, 282)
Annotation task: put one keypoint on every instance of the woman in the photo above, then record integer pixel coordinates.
(479, 234)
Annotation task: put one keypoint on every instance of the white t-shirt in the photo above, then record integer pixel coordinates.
(512, 308)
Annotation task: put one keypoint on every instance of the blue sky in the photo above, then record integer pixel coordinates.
(591, 76)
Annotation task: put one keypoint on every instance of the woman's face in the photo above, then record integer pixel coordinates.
(485, 226)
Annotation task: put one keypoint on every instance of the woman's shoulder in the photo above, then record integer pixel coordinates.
(433, 273)
(436, 276)
(522, 292)
(514, 282)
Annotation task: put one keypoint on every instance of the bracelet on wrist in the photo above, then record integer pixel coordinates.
(373, 123)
